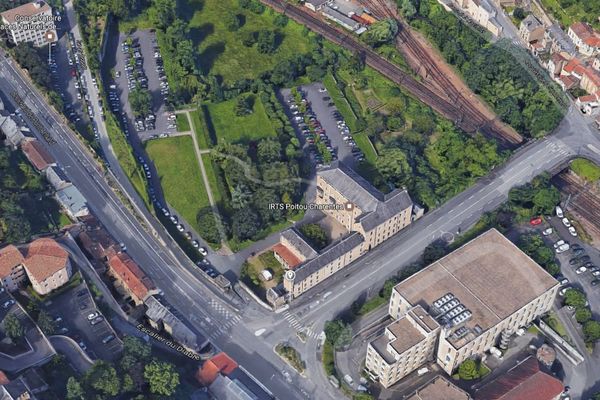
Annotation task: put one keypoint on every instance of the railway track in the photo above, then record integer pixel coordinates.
(443, 86)
(462, 116)
(584, 201)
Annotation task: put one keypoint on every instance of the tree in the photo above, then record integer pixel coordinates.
(382, 32)
(338, 333)
(582, 315)
(46, 323)
(244, 105)
(468, 370)
(13, 327)
(128, 384)
(248, 38)
(134, 351)
(74, 389)
(269, 150)
(245, 224)
(140, 101)
(545, 200)
(519, 13)
(233, 22)
(280, 20)
(162, 378)
(315, 235)
(102, 378)
(211, 225)
(434, 251)
(591, 330)
(575, 298)
(266, 42)
(162, 13)
(392, 164)
(407, 8)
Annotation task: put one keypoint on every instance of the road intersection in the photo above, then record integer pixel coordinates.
(234, 327)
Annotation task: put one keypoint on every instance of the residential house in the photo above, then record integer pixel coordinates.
(559, 41)
(590, 80)
(292, 250)
(524, 381)
(555, 64)
(72, 201)
(98, 244)
(37, 155)
(130, 279)
(162, 319)
(10, 129)
(596, 63)
(589, 104)
(531, 30)
(12, 272)
(47, 265)
(31, 22)
(467, 300)
(57, 177)
(585, 38)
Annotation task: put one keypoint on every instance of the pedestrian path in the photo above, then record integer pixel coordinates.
(292, 320)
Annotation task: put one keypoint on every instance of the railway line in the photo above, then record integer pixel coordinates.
(584, 201)
(443, 85)
(462, 116)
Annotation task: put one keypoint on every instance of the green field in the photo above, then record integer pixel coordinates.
(182, 122)
(212, 178)
(586, 169)
(576, 11)
(221, 52)
(341, 103)
(363, 142)
(200, 129)
(180, 176)
(231, 128)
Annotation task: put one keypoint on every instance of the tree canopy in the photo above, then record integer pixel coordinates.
(162, 378)
(315, 235)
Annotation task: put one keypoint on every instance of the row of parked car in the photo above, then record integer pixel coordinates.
(311, 129)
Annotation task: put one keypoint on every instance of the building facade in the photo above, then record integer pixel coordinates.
(480, 293)
(32, 22)
(585, 38)
(531, 30)
(47, 265)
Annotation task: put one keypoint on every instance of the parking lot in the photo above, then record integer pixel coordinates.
(579, 264)
(324, 121)
(76, 315)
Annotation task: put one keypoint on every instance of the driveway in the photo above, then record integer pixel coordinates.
(66, 346)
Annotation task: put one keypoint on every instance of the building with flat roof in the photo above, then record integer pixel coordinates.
(486, 289)
(439, 388)
(31, 22)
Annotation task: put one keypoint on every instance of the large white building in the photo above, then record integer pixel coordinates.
(459, 307)
(32, 22)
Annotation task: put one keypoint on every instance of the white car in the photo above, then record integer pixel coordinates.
(92, 316)
(559, 212)
(195, 244)
(203, 251)
(566, 222)
(558, 244)
(572, 231)
(581, 270)
(563, 291)
(180, 228)
(547, 232)
(563, 248)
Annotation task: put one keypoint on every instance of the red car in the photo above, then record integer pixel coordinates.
(73, 72)
(536, 221)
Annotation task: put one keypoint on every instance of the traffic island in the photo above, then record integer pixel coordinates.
(291, 356)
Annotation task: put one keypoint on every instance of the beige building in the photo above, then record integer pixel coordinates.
(369, 216)
(12, 272)
(362, 208)
(483, 12)
(585, 38)
(531, 30)
(439, 388)
(32, 22)
(485, 290)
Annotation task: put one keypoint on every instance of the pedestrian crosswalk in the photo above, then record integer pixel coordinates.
(215, 334)
(221, 309)
(295, 324)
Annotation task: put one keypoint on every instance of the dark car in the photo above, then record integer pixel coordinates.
(578, 252)
(97, 320)
(595, 282)
(574, 261)
(108, 338)
(584, 258)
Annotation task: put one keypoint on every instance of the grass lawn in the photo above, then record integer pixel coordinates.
(221, 52)
(586, 169)
(212, 178)
(180, 176)
(364, 143)
(182, 122)
(264, 261)
(341, 103)
(127, 160)
(554, 323)
(200, 129)
(231, 128)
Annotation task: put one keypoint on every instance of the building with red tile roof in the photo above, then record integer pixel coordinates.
(47, 265)
(37, 155)
(285, 256)
(525, 381)
(12, 273)
(590, 80)
(585, 38)
(130, 277)
(98, 244)
(218, 364)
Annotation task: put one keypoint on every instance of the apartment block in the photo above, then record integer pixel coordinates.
(479, 293)
(585, 38)
(31, 22)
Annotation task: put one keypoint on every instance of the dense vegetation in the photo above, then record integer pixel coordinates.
(136, 375)
(315, 235)
(25, 208)
(591, 327)
(490, 71)
(569, 11)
